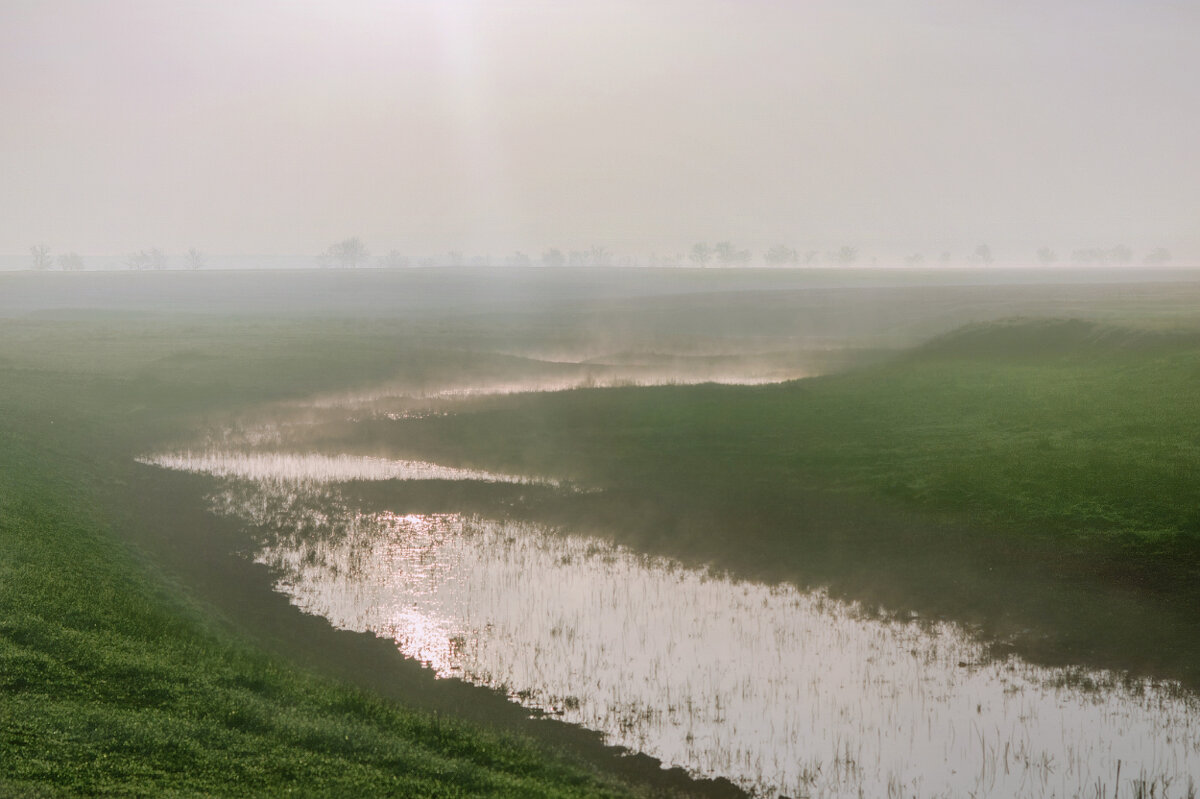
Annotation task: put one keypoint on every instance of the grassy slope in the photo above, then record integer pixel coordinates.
(112, 682)
(1022, 427)
(1060, 449)
(998, 465)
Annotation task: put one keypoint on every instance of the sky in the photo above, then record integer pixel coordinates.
(259, 127)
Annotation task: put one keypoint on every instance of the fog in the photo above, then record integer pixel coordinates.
(899, 129)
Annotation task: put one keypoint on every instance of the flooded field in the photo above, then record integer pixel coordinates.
(781, 690)
(280, 467)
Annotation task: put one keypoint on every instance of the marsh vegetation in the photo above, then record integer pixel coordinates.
(834, 539)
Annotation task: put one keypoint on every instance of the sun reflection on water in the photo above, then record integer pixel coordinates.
(779, 689)
(311, 467)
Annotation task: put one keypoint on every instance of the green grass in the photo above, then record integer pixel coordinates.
(1041, 478)
(1095, 440)
(112, 680)
(1019, 475)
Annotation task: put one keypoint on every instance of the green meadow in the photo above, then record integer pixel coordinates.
(1035, 478)
(1038, 478)
(115, 679)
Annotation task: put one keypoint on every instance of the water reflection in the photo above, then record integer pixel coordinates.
(778, 689)
(315, 468)
(609, 377)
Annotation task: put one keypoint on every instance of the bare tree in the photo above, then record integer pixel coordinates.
(346, 254)
(914, 260)
(1047, 256)
(41, 256)
(553, 257)
(194, 258)
(393, 260)
(600, 256)
(982, 255)
(728, 255)
(70, 262)
(147, 259)
(700, 254)
(780, 255)
(845, 256)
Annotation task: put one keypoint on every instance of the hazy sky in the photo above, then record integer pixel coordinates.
(248, 126)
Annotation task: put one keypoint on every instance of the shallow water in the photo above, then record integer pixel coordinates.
(288, 467)
(781, 690)
(565, 379)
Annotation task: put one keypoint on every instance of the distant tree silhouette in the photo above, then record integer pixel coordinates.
(194, 258)
(147, 259)
(780, 255)
(728, 255)
(393, 260)
(70, 262)
(700, 254)
(845, 255)
(345, 254)
(554, 257)
(40, 254)
(983, 255)
(1046, 255)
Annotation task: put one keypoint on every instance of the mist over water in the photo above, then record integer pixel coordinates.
(343, 244)
(781, 689)
(777, 688)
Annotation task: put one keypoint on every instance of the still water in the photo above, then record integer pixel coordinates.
(782, 690)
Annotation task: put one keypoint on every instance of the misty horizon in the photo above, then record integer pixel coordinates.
(490, 129)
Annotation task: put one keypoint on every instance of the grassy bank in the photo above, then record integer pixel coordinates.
(1037, 478)
(113, 681)
(1007, 473)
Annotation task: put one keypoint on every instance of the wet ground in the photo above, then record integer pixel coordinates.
(774, 687)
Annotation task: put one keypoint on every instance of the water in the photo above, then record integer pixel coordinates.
(779, 689)
(563, 378)
(289, 467)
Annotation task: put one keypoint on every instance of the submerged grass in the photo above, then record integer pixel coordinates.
(112, 680)
(975, 476)
(975, 471)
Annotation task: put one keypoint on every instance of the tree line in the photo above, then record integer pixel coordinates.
(352, 253)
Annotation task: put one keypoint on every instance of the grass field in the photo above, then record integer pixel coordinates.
(1038, 478)
(1022, 475)
(116, 682)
